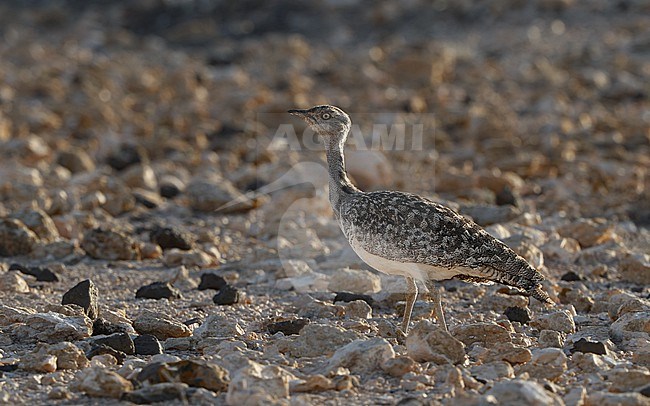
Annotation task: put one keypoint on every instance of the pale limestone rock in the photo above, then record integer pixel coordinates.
(257, 384)
(99, 382)
(560, 321)
(362, 356)
(355, 281)
(160, 325)
(427, 342)
(520, 392)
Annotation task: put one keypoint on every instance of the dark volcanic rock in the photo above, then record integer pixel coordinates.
(168, 237)
(520, 314)
(571, 277)
(227, 295)
(594, 347)
(105, 349)
(147, 344)
(288, 327)
(118, 341)
(351, 297)
(212, 281)
(508, 197)
(197, 373)
(169, 191)
(158, 290)
(104, 327)
(41, 274)
(161, 392)
(645, 391)
(126, 156)
(84, 294)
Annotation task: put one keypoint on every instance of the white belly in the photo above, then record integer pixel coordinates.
(420, 272)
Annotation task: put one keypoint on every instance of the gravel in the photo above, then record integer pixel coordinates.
(146, 144)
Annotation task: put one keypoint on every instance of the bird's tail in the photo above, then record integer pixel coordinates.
(519, 275)
(538, 293)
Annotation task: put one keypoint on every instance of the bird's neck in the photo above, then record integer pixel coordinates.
(339, 183)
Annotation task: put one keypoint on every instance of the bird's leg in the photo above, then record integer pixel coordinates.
(411, 296)
(437, 302)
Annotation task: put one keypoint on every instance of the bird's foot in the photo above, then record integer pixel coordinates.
(401, 335)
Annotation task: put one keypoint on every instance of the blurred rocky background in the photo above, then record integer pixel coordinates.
(129, 128)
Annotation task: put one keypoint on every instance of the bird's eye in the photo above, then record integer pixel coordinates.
(326, 116)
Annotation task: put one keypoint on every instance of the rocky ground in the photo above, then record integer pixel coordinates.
(158, 244)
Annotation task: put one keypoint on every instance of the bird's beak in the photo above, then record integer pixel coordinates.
(299, 113)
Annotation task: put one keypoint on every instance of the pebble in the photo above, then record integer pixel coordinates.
(211, 281)
(160, 326)
(616, 399)
(216, 195)
(118, 341)
(517, 391)
(13, 282)
(193, 258)
(560, 321)
(355, 281)
(227, 295)
(171, 237)
(362, 356)
(571, 277)
(220, 326)
(41, 274)
(288, 327)
(158, 290)
(15, 238)
(76, 160)
(550, 338)
(492, 371)
(147, 344)
(499, 302)
(635, 268)
(518, 314)
(627, 380)
(111, 245)
(104, 327)
(350, 297)
(105, 355)
(399, 366)
(313, 383)
(317, 340)
(486, 334)
(125, 156)
(40, 223)
(427, 342)
(103, 383)
(631, 326)
(85, 295)
(358, 309)
(195, 373)
(166, 392)
(49, 358)
(506, 352)
(259, 384)
(588, 232)
(586, 346)
(547, 363)
(53, 327)
(169, 190)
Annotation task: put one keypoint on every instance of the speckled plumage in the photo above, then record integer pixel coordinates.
(405, 234)
(408, 228)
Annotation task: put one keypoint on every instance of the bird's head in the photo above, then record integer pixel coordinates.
(329, 122)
